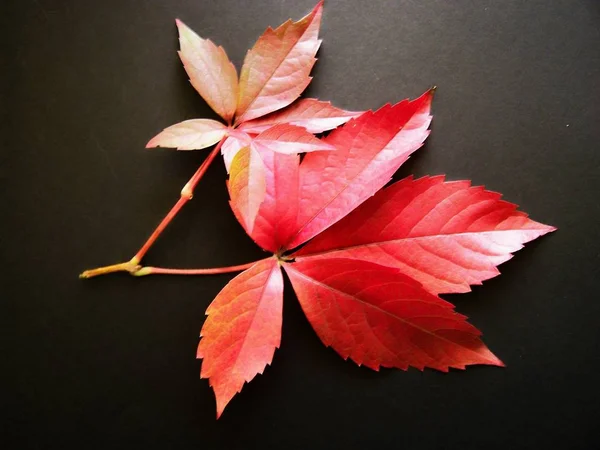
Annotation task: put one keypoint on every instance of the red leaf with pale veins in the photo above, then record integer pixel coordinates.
(276, 218)
(210, 71)
(369, 150)
(378, 316)
(247, 185)
(290, 140)
(314, 115)
(446, 235)
(242, 330)
(192, 134)
(276, 69)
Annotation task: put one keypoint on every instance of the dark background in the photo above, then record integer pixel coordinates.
(110, 363)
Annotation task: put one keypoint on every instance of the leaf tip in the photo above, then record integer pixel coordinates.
(497, 362)
(223, 398)
(545, 229)
(493, 360)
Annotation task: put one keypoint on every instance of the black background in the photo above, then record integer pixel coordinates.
(110, 363)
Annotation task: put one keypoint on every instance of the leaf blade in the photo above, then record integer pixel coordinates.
(236, 140)
(276, 218)
(211, 72)
(276, 70)
(369, 150)
(312, 114)
(446, 235)
(192, 134)
(247, 185)
(242, 330)
(289, 140)
(379, 317)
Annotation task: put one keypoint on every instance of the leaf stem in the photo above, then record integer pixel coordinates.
(129, 266)
(186, 195)
(212, 271)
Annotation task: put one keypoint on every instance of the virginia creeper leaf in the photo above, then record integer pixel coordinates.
(377, 316)
(276, 70)
(247, 185)
(314, 115)
(210, 71)
(369, 150)
(289, 139)
(192, 134)
(242, 330)
(369, 278)
(446, 235)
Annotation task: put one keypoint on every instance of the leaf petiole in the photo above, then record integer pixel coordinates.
(186, 195)
(143, 271)
(133, 266)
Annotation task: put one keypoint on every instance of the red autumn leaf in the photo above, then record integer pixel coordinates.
(377, 316)
(446, 235)
(276, 70)
(210, 71)
(369, 150)
(368, 280)
(242, 330)
(192, 134)
(247, 185)
(314, 115)
(290, 140)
